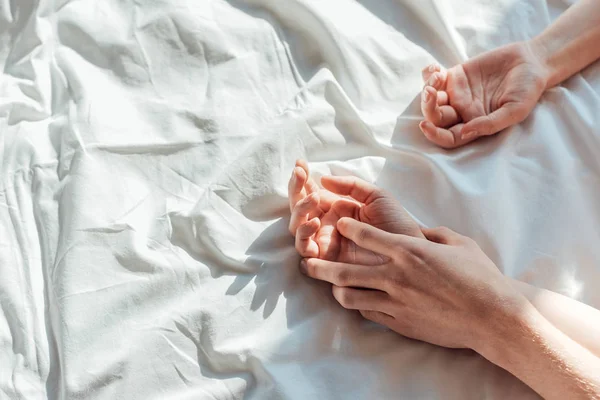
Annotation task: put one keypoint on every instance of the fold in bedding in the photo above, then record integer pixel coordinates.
(145, 153)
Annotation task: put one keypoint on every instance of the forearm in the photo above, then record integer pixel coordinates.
(525, 344)
(578, 321)
(571, 43)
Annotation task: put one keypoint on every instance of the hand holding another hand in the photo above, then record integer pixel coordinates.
(316, 211)
(441, 289)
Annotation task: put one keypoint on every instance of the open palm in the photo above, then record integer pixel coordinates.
(315, 212)
(482, 96)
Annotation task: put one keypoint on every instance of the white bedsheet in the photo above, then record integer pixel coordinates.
(145, 151)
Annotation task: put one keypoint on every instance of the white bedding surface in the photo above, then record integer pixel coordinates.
(145, 151)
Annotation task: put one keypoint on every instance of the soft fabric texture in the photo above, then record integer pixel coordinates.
(145, 153)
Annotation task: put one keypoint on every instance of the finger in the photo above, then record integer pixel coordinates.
(361, 299)
(309, 205)
(302, 164)
(443, 235)
(305, 244)
(378, 317)
(342, 274)
(295, 186)
(507, 115)
(447, 138)
(327, 199)
(441, 116)
(344, 207)
(352, 186)
(367, 236)
(309, 185)
(442, 98)
(429, 70)
(328, 237)
(438, 80)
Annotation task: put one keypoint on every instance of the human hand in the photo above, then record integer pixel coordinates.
(482, 96)
(315, 213)
(443, 289)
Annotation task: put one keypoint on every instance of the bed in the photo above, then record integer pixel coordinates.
(145, 152)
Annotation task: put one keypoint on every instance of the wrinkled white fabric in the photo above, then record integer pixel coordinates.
(145, 152)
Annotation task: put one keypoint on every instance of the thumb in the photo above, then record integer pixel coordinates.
(367, 236)
(509, 114)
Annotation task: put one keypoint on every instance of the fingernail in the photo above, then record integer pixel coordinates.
(469, 135)
(425, 96)
(433, 80)
(303, 266)
(432, 68)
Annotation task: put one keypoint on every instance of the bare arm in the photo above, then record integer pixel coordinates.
(578, 321)
(545, 339)
(566, 47)
(531, 348)
(446, 291)
(571, 43)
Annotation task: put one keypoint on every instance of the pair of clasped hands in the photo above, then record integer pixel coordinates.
(418, 282)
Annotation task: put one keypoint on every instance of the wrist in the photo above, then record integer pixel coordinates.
(509, 321)
(542, 54)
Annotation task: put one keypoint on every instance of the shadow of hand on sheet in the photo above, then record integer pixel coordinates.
(267, 255)
(275, 259)
(271, 265)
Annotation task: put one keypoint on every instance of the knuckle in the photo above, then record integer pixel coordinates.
(417, 253)
(520, 114)
(440, 117)
(444, 233)
(491, 119)
(291, 227)
(393, 282)
(455, 236)
(311, 268)
(343, 296)
(370, 315)
(364, 235)
(469, 242)
(304, 252)
(443, 230)
(304, 204)
(342, 277)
